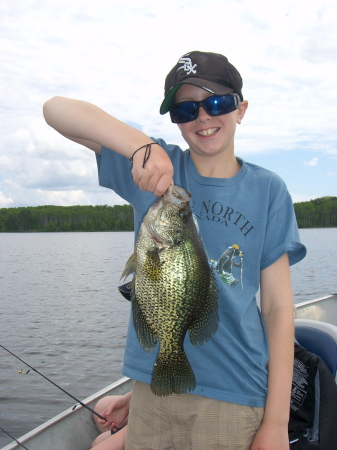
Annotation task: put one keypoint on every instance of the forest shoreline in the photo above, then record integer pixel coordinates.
(318, 213)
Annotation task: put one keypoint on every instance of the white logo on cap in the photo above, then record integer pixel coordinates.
(187, 65)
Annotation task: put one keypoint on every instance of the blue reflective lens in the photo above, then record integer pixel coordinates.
(216, 105)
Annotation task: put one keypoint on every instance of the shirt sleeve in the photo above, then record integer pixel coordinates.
(281, 231)
(114, 172)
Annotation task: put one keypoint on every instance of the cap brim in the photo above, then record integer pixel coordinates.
(214, 88)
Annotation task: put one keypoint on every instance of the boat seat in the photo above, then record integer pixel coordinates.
(319, 338)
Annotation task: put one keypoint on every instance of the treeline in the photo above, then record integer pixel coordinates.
(67, 218)
(321, 212)
(318, 213)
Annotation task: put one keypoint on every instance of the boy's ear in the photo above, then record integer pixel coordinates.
(241, 111)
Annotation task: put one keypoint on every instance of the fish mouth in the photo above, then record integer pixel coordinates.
(176, 195)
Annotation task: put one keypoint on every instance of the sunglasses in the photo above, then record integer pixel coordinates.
(217, 105)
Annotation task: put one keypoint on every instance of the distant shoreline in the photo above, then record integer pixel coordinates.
(318, 213)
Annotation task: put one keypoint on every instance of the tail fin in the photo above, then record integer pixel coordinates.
(172, 374)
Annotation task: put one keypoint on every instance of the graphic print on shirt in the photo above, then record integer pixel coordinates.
(229, 265)
(214, 211)
(230, 258)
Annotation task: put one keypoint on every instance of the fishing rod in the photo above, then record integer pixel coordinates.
(12, 437)
(52, 382)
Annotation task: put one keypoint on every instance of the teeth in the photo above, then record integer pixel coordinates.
(208, 132)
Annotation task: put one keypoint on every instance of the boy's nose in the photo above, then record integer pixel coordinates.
(203, 114)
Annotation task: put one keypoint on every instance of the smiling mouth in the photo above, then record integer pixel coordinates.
(208, 132)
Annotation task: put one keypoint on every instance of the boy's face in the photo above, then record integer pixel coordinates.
(208, 135)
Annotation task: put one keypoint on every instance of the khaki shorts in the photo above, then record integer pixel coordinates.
(188, 421)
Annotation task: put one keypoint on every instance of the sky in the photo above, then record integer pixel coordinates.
(116, 54)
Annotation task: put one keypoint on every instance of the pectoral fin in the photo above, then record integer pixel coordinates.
(130, 266)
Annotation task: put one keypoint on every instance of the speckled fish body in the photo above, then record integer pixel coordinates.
(173, 291)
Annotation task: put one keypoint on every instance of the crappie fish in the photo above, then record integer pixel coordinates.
(174, 290)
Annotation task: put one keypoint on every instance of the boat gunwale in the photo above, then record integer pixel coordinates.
(315, 300)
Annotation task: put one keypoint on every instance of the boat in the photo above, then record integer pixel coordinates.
(74, 428)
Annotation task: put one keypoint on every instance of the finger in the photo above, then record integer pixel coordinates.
(152, 179)
(110, 425)
(152, 182)
(162, 185)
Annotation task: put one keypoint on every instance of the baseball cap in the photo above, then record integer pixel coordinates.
(210, 71)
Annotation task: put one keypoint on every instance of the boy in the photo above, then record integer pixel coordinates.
(248, 227)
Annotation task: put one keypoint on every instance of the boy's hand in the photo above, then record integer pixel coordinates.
(157, 174)
(270, 437)
(116, 413)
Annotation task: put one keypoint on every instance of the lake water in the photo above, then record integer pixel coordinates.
(60, 311)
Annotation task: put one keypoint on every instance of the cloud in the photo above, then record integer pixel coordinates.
(313, 162)
(117, 56)
(332, 174)
(5, 202)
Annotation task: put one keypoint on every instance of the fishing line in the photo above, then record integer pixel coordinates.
(12, 437)
(56, 385)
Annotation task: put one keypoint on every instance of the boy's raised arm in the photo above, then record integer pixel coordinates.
(86, 124)
(82, 121)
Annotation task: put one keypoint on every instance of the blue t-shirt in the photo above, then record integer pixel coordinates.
(246, 223)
